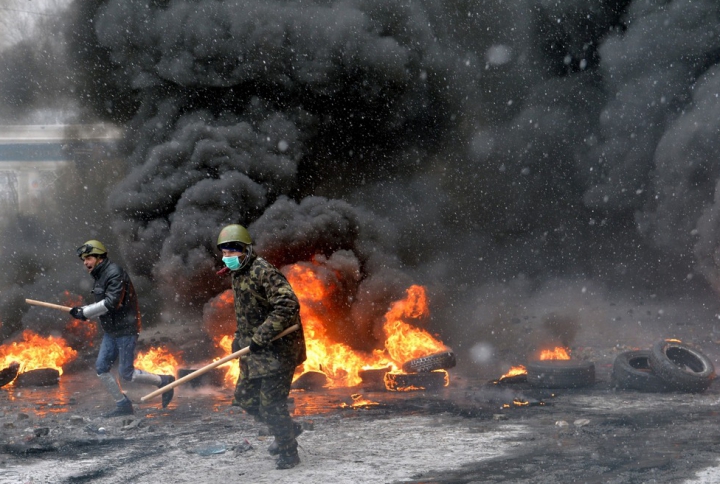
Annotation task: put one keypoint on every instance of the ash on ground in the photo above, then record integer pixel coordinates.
(471, 431)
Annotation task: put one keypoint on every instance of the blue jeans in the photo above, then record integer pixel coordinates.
(113, 348)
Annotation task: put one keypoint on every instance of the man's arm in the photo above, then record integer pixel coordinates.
(114, 295)
(284, 307)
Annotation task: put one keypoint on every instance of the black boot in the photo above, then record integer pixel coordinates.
(273, 448)
(289, 460)
(123, 408)
(168, 395)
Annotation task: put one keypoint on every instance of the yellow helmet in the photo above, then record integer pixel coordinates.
(234, 233)
(91, 247)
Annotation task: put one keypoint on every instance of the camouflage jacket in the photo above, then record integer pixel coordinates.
(265, 305)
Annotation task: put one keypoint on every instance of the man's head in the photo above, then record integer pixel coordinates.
(92, 253)
(236, 245)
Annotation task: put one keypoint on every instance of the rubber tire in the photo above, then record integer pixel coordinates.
(437, 361)
(683, 368)
(416, 381)
(560, 373)
(311, 381)
(9, 374)
(373, 379)
(42, 377)
(631, 371)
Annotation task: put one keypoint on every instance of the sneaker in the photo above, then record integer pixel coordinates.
(168, 395)
(288, 461)
(273, 448)
(123, 408)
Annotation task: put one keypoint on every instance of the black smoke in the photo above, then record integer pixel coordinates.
(484, 149)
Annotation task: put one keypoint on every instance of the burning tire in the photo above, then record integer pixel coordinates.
(400, 382)
(373, 378)
(560, 373)
(8, 374)
(310, 381)
(41, 377)
(437, 361)
(631, 371)
(682, 368)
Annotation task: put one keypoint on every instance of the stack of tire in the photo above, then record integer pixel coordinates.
(422, 373)
(668, 366)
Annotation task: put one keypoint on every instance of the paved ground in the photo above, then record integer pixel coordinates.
(468, 432)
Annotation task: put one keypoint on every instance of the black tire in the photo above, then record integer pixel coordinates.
(683, 368)
(437, 361)
(433, 380)
(9, 374)
(42, 377)
(311, 381)
(560, 373)
(631, 371)
(373, 379)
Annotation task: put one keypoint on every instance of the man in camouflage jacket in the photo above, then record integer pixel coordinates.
(265, 305)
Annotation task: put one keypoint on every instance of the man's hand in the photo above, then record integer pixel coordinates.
(77, 313)
(254, 347)
(235, 345)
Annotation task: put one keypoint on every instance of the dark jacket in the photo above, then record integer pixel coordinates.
(265, 305)
(114, 287)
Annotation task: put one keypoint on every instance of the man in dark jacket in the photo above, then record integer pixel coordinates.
(116, 306)
(265, 305)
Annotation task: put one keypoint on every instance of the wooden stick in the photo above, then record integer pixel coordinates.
(48, 305)
(212, 365)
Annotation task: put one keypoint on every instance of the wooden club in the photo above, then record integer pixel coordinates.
(48, 305)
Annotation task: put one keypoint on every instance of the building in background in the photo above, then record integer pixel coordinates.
(32, 159)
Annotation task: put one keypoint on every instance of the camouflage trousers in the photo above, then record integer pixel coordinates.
(266, 399)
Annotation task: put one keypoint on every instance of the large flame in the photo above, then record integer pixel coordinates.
(157, 360)
(35, 352)
(340, 362)
(403, 341)
(337, 360)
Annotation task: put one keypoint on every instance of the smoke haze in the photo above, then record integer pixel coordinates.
(526, 160)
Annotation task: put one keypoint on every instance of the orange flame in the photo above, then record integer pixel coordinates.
(232, 369)
(36, 352)
(358, 401)
(404, 342)
(157, 360)
(340, 362)
(559, 353)
(514, 371)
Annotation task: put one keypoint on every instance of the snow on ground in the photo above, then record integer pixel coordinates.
(352, 451)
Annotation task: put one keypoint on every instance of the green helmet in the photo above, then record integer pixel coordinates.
(91, 247)
(234, 233)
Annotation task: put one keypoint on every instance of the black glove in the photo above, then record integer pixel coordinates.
(77, 313)
(235, 345)
(254, 347)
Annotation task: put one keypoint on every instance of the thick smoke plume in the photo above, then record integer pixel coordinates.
(490, 150)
